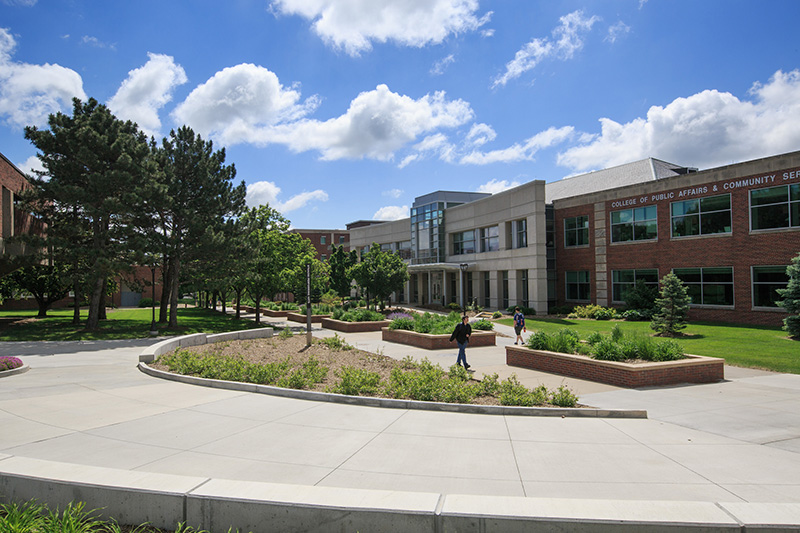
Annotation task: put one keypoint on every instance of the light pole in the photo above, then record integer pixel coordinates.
(463, 267)
(153, 330)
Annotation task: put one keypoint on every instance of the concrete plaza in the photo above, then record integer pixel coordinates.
(84, 409)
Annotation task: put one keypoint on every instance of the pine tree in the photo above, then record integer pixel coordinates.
(791, 299)
(671, 307)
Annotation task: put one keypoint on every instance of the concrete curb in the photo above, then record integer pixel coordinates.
(164, 500)
(14, 371)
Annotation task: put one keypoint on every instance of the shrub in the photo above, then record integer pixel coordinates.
(453, 306)
(616, 333)
(668, 351)
(607, 350)
(402, 323)
(497, 314)
(482, 325)
(512, 392)
(790, 301)
(335, 343)
(671, 307)
(539, 341)
(586, 311)
(285, 333)
(489, 385)
(565, 341)
(594, 338)
(9, 363)
(605, 313)
(633, 315)
(561, 310)
(357, 315)
(527, 311)
(147, 302)
(563, 397)
(640, 297)
(357, 382)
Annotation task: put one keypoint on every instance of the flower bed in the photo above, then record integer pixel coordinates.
(354, 327)
(9, 363)
(436, 342)
(692, 369)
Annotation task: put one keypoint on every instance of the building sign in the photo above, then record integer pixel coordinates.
(766, 180)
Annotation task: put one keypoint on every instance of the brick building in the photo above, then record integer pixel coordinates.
(322, 239)
(727, 232)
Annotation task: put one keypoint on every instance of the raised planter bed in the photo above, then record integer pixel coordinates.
(436, 342)
(274, 314)
(297, 317)
(354, 327)
(693, 369)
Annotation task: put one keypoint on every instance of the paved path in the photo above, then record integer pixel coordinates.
(87, 404)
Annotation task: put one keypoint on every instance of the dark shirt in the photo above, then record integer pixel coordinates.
(461, 333)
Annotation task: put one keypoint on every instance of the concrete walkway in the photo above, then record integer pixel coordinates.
(85, 403)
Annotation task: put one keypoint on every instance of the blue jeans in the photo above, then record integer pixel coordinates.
(462, 354)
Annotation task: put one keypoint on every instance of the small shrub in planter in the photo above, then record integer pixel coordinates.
(497, 314)
(357, 382)
(482, 325)
(607, 350)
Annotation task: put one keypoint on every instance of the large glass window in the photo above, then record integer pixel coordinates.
(775, 207)
(766, 279)
(708, 286)
(521, 233)
(623, 280)
(702, 216)
(490, 239)
(578, 287)
(464, 242)
(487, 290)
(505, 289)
(576, 231)
(639, 224)
(522, 275)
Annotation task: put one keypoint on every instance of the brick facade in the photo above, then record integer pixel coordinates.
(322, 239)
(741, 248)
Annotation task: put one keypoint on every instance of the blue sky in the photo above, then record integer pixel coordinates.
(340, 110)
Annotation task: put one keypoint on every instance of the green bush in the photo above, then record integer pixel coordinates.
(402, 323)
(335, 343)
(616, 333)
(453, 307)
(514, 393)
(594, 338)
(586, 311)
(497, 314)
(357, 315)
(563, 397)
(605, 313)
(565, 341)
(607, 350)
(482, 325)
(527, 311)
(357, 382)
(148, 302)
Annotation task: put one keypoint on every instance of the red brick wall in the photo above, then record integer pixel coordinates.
(740, 249)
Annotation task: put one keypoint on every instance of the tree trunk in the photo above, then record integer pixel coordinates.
(173, 295)
(101, 307)
(76, 299)
(238, 303)
(93, 321)
(163, 307)
(258, 309)
(44, 305)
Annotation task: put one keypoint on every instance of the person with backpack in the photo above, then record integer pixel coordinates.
(519, 325)
(461, 336)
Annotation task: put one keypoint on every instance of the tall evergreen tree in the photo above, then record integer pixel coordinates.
(340, 263)
(95, 166)
(671, 307)
(199, 197)
(791, 299)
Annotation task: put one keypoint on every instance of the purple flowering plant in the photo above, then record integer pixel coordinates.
(9, 363)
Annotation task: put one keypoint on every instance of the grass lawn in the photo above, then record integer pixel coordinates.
(121, 324)
(748, 346)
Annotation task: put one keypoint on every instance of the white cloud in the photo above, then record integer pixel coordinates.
(393, 193)
(391, 212)
(239, 103)
(480, 134)
(267, 192)
(495, 186)
(146, 90)
(377, 123)
(97, 43)
(520, 152)
(440, 66)
(29, 93)
(353, 25)
(31, 165)
(566, 39)
(706, 129)
(616, 31)
(23, 3)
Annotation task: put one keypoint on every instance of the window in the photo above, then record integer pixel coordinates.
(341, 239)
(324, 257)
(622, 280)
(775, 207)
(703, 216)
(505, 289)
(708, 286)
(638, 224)
(522, 233)
(522, 275)
(578, 287)
(765, 280)
(464, 242)
(576, 231)
(322, 239)
(490, 240)
(487, 290)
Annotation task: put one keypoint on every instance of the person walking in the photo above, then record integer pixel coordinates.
(461, 336)
(519, 325)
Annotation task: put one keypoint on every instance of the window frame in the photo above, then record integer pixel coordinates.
(459, 241)
(634, 221)
(485, 238)
(703, 284)
(700, 214)
(641, 272)
(577, 230)
(790, 203)
(753, 284)
(579, 284)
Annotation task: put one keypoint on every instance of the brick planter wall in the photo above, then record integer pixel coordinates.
(297, 317)
(436, 342)
(274, 314)
(354, 327)
(695, 369)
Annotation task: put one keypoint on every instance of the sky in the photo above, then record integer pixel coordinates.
(341, 110)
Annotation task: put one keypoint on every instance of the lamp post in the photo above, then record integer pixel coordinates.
(463, 267)
(153, 330)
